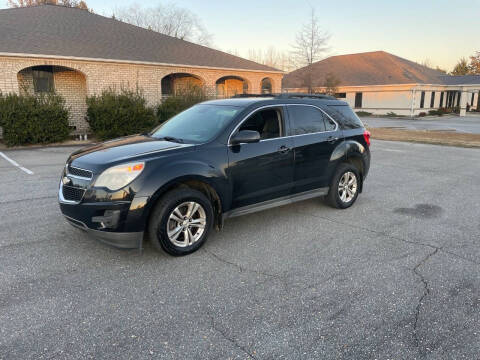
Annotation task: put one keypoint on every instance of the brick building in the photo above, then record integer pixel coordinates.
(78, 54)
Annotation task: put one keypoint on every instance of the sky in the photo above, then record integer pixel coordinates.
(439, 31)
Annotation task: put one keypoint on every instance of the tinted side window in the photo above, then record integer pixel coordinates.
(344, 116)
(329, 124)
(267, 122)
(305, 120)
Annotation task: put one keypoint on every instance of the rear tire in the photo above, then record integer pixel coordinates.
(180, 222)
(344, 187)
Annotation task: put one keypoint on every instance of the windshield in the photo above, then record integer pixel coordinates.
(198, 124)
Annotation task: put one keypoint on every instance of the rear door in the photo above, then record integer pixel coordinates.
(264, 170)
(315, 136)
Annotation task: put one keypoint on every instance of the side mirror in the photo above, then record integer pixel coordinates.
(245, 137)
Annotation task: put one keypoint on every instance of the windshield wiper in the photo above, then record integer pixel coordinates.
(171, 139)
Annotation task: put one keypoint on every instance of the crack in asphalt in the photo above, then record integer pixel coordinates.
(240, 267)
(415, 270)
(230, 339)
(383, 233)
(426, 292)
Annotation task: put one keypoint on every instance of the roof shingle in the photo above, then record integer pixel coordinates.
(371, 68)
(62, 31)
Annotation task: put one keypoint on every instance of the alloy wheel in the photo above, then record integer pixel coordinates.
(186, 224)
(347, 187)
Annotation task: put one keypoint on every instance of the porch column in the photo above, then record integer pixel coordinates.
(412, 105)
(463, 102)
(475, 100)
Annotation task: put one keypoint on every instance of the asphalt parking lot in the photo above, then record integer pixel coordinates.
(397, 276)
(468, 124)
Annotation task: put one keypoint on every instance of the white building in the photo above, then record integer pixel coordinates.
(379, 82)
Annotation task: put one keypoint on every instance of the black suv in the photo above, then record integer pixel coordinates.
(216, 160)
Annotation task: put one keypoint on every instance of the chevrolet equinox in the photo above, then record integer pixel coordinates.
(213, 161)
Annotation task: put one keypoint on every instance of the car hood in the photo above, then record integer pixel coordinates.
(99, 156)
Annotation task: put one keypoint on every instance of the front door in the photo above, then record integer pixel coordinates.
(264, 170)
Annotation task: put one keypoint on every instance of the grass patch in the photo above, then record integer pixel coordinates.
(363, 113)
(449, 138)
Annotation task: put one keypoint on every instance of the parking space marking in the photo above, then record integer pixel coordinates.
(14, 163)
(394, 150)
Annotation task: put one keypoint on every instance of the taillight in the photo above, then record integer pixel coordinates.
(366, 136)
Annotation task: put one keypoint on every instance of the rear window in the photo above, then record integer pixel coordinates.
(306, 119)
(345, 116)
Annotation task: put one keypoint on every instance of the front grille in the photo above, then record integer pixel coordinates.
(71, 193)
(79, 172)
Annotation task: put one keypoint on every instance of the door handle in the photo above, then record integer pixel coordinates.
(284, 149)
(332, 139)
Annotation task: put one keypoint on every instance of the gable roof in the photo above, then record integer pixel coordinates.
(369, 68)
(69, 32)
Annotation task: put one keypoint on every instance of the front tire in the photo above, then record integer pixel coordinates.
(344, 187)
(181, 222)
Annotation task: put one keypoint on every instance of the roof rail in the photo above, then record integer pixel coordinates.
(254, 95)
(304, 95)
(287, 96)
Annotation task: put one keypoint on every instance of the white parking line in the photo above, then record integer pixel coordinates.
(394, 150)
(14, 163)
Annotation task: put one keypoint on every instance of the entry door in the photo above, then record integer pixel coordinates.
(315, 138)
(264, 170)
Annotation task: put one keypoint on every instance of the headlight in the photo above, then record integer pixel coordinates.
(116, 177)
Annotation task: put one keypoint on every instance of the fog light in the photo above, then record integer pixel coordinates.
(109, 220)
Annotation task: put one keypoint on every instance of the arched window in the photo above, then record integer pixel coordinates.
(266, 86)
(179, 82)
(229, 86)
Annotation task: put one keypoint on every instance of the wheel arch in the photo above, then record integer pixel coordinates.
(195, 182)
(351, 152)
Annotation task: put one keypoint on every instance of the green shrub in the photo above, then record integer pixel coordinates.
(363, 113)
(438, 112)
(181, 100)
(33, 119)
(444, 111)
(391, 114)
(113, 114)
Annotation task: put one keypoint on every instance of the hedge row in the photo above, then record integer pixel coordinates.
(115, 114)
(31, 119)
(28, 119)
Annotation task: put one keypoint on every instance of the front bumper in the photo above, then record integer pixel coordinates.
(119, 223)
(123, 240)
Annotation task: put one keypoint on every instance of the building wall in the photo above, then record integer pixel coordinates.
(73, 87)
(100, 76)
(401, 99)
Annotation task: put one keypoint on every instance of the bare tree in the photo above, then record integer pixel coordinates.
(427, 63)
(167, 19)
(68, 3)
(272, 57)
(255, 55)
(311, 43)
(233, 52)
(438, 68)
